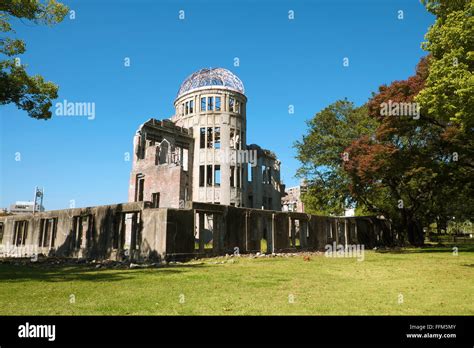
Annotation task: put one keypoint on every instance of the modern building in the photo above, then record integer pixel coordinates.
(349, 212)
(25, 207)
(201, 154)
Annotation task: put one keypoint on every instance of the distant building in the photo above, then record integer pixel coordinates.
(349, 212)
(292, 199)
(24, 207)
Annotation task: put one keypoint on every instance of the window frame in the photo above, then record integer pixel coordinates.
(217, 138)
(210, 103)
(217, 175)
(209, 175)
(202, 175)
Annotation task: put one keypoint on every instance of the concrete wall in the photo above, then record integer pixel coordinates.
(79, 232)
(138, 232)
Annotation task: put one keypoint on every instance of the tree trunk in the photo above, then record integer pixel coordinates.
(413, 228)
(415, 232)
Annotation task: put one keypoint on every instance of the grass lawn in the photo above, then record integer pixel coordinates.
(431, 281)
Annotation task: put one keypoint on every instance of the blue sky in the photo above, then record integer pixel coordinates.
(282, 62)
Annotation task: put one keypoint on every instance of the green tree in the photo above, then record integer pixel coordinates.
(414, 169)
(30, 93)
(448, 95)
(406, 171)
(447, 100)
(321, 152)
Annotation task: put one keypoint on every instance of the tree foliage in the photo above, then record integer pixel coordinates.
(413, 169)
(30, 93)
(449, 92)
(321, 152)
(396, 173)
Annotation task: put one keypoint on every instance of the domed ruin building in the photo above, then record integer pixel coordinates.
(201, 154)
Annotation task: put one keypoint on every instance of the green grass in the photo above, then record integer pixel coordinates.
(207, 246)
(432, 282)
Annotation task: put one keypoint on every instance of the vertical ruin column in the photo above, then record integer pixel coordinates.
(293, 232)
(346, 232)
(247, 231)
(217, 233)
(196, 158)
(225, 160)
(258, 179)
(322, 233)
(271, 249)
(243, 196)
(201, 231)
(355, 232)
(303, 233)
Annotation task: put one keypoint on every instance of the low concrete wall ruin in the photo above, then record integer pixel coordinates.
(136, 231)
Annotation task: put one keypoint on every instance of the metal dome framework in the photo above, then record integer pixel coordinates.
(211, 77)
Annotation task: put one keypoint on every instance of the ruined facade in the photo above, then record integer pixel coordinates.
(137, 231)
(162, 164)
(201, 153)
(196, 188)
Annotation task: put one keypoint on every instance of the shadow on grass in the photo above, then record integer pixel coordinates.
(68, 273)
(429, 249)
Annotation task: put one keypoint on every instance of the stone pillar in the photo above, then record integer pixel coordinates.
(271, 245)
(346, 234)
(216, 234)
(247, 231)
(293, 232)
(257, 185)
(303, 234)
(355, 232)
(201, 231)
(225, 161)
(196, 154)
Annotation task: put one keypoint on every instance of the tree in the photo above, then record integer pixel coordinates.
(321, 152)
(406, 171)
(30, 93)
(448, 100)
(414, 168)
(448, 97)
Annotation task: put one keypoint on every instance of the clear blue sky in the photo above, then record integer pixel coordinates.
(282, 62)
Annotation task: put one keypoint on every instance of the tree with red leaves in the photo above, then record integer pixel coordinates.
(409, 153)
(405, 171)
